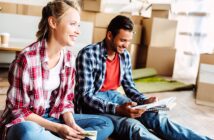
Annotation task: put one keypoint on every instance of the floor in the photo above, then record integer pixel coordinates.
(186, 112)
(197, 117)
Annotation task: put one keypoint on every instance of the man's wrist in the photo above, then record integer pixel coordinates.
(142, 101)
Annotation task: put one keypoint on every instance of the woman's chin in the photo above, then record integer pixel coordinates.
(70, 44)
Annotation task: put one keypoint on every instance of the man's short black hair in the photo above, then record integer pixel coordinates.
(120, 22)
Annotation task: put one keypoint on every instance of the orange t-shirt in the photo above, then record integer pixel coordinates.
(112, 76)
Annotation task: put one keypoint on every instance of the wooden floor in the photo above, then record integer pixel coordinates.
(186, 112)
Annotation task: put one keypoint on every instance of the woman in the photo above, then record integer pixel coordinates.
(39, 100)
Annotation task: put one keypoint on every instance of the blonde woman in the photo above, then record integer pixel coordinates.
(39, 101)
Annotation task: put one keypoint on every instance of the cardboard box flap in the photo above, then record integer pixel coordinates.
(207, 58)
(160, 6)
(163, 32)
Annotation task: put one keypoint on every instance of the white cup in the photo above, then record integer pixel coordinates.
(5, 37)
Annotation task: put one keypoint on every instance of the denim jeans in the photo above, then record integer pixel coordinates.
(150, 126)
(29, 130)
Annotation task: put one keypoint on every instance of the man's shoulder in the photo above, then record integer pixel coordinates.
(91, 48)
(125, 54)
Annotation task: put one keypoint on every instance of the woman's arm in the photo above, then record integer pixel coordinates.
(52, 126)
(69, 120)
(62, 130)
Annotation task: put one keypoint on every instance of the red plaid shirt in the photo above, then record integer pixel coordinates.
(26, 94)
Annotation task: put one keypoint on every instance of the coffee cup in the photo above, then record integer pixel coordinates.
(5, 37)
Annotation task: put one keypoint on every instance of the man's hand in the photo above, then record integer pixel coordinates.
(127, 110)
(150, 100)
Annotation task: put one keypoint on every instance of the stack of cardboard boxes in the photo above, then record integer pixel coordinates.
(205, 81)
(159, 38)
(101, 21)
(153, 37)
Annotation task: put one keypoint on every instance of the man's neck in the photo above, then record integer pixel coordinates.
(110, 52)
(111, 55)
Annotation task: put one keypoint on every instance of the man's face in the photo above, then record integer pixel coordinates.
(121, 41)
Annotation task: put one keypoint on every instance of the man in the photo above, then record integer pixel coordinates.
(101, 69)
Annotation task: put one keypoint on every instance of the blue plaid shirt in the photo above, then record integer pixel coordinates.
(90, 75)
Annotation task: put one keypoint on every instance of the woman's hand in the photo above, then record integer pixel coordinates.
(69, 133)
(69, 121)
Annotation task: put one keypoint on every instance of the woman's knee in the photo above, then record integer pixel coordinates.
(25, 130)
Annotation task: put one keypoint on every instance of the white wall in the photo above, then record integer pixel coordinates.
(23, 28)
(30, 2)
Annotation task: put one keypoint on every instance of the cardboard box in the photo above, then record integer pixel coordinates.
(31, 10)
(8, 7)
(133, 51)
(205, 81)
(136, 19)
(147, 30)
(99, 34)
(88, 16)
(92, 5)
(140, 55)
(160, 13)
(103, 19)
(161, 59)
(159, 32)
(186, 66)
(161, 6)
(160, 10)
(137, 37)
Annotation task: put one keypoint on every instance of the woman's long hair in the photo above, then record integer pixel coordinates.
(55, 8)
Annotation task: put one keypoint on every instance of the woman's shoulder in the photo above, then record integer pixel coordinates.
(32, 49)
(30, 53)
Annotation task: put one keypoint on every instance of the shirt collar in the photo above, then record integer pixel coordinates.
(68, 59)
(103, 49)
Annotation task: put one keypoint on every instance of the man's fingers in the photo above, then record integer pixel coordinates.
(130, 104)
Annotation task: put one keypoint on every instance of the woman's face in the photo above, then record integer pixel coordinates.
(67, 28)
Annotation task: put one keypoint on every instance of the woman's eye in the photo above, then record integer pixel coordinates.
(75, 25)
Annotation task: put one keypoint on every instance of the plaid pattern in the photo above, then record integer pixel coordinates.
(26, 93)
(90, 74)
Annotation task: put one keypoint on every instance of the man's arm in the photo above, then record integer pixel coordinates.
(128, 83)
(85, 88)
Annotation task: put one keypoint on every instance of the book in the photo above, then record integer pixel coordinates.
(161, 105)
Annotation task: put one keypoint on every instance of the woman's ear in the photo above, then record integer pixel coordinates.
(52, 22)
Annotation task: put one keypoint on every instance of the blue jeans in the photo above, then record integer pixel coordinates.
(29, 130)
(150, 126)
